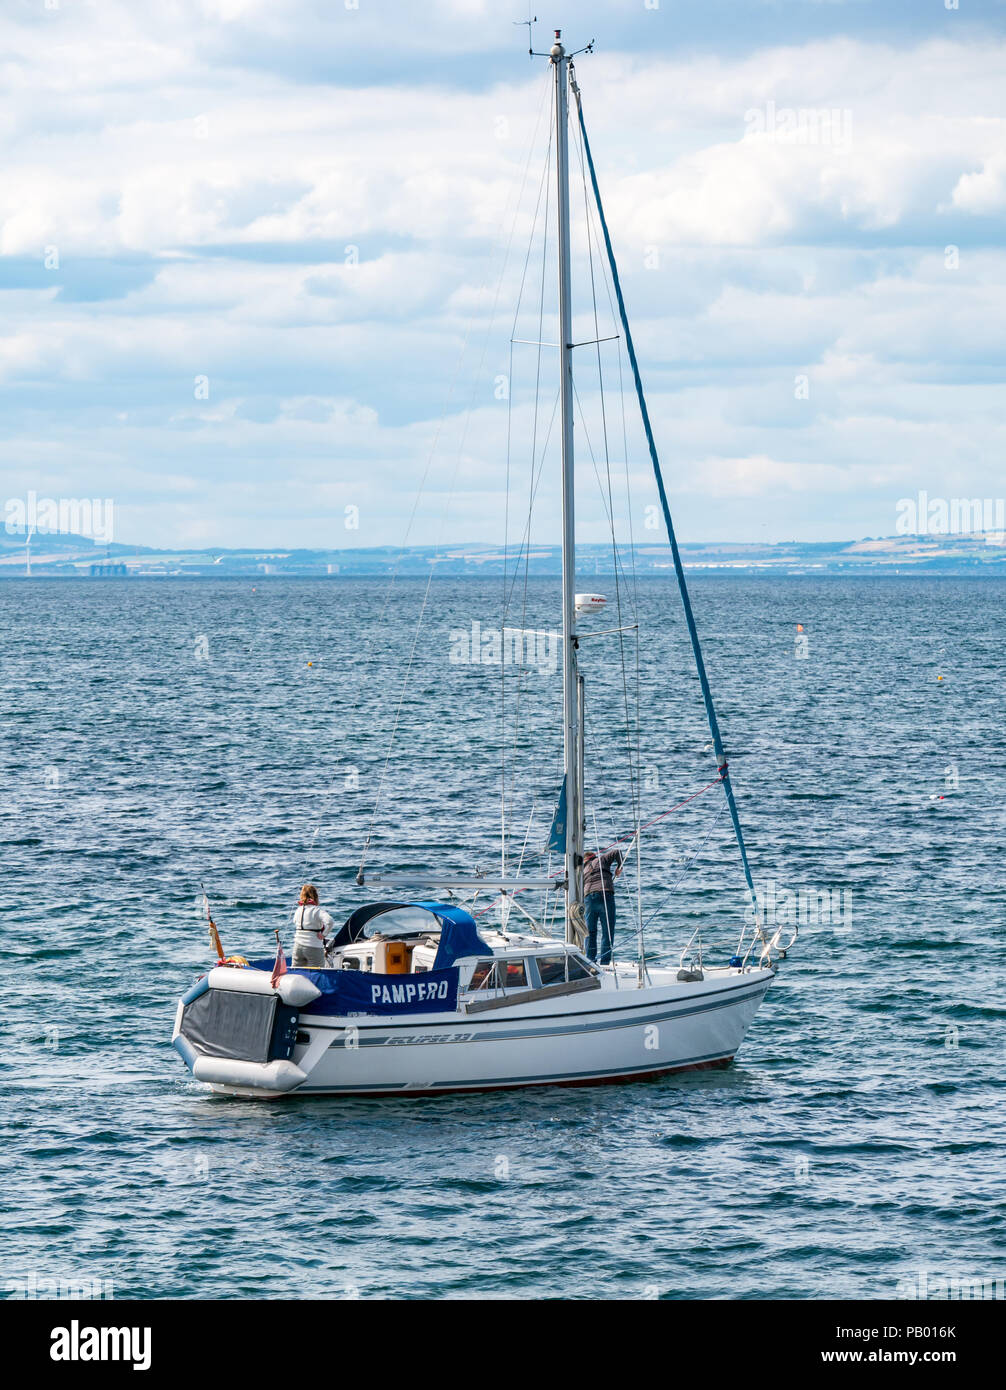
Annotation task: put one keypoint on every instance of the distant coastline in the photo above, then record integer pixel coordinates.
(59, 555)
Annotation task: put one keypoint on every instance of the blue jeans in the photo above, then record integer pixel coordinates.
(599, 911)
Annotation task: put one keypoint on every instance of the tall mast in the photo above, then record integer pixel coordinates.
(570, 743)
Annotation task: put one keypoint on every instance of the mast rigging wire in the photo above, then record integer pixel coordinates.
(632, 751)
(532, 484)
(721, 759)
(492, 318)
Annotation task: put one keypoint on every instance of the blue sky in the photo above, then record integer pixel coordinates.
(182, 183)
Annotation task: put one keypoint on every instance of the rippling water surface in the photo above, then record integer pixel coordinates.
(160, 734)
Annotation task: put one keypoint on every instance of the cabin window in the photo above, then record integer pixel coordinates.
(552, 969)
(480, 975)
(516, 974)
(579, 969)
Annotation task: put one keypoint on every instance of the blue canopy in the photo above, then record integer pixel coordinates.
(459, 936)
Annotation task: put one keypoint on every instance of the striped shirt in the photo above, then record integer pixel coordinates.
(597, 872)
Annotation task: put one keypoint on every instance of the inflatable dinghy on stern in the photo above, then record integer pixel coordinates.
(234, 1028)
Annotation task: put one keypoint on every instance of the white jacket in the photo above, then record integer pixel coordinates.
(312, 922)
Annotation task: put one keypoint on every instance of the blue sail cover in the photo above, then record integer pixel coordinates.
(557, 835)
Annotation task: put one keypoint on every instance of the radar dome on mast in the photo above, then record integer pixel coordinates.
(589, 603)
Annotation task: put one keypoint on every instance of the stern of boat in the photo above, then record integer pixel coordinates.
(235, 1031)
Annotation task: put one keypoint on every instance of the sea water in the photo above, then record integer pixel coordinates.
(162, 735)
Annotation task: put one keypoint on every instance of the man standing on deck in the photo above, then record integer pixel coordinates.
(599, 901)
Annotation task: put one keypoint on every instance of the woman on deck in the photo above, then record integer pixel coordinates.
(311, 922)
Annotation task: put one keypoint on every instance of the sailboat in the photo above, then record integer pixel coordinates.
(418, 998)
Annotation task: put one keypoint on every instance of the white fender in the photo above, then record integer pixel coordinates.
(295, 990)
(263, 1076)
(292, 989)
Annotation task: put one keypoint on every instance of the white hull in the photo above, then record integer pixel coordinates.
(616, 1033)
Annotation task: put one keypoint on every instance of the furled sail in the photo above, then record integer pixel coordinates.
(557, 835)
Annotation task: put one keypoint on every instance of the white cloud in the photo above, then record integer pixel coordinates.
(202, 197)
(983, 191)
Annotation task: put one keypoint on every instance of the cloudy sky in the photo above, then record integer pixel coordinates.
(260, 261)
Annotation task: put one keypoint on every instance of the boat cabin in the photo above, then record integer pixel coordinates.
(493, 965)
